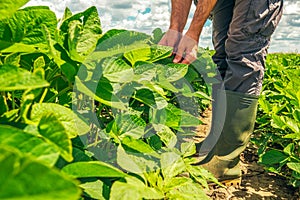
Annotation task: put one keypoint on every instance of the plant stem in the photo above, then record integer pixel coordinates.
(43, 95)
(59, 94)
(13, 100)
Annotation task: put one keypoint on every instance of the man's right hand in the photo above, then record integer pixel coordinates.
(184, 47)
(171, 39)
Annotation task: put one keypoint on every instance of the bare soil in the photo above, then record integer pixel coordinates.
(256, 182)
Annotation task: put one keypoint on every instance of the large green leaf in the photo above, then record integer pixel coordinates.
(92, 169)
(149, 54)
(24, 178)
(138, 163)
(184, 188)
(55, 134)
(101, 91)
(9, 7)
(128, 125)
(15, 78)
(139, 146)
(117, 70)
(273, 157)
(73, 124)
(133, 189)
(27, 27)
(174, 117)
(121, 41)
(172, 164)
(83, 31)
(28, 144)
(172, 71)
(145, 96)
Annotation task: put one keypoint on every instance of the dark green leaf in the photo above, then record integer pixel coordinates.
(272, 157)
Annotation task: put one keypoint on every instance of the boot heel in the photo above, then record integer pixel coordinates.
(236, 183)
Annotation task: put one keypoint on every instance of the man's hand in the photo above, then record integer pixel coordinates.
(186, 51)
(184, 47)
(171, 39)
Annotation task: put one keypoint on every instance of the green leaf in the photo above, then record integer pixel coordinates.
(27, 27)
(278, 121)
(129, 125)
(145, 96)
(133, 189)
(292, 124)
(117, 70)
(101, 91)
(55, 134)
(115, 42)
(172, 164)
(201, 175)
(28, 144)
(265, 105)
(138, 145)
(294, 166)
(272, 157)
(17, 173)
(148, 54)
(84, 30)
(172, 71)
(157, 35)
(188, 149)
(92, 169)
(15, 78)
(289, 149)
(9, 7)
(93, 189)
(71, 122)
(167, 136)
(183, 188)
(138, 163)
(174, 117)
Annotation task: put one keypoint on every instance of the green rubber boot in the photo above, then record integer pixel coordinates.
(232, 126)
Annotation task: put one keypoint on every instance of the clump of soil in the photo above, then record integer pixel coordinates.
(256, 182)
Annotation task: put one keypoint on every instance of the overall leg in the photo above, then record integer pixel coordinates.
(249, 33)
(222, 16)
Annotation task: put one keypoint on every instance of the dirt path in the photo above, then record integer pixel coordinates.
(256, 183)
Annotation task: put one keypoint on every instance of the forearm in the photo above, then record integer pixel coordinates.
(179, 14)
(203, 9)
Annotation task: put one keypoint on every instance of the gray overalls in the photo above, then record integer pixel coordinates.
(241, 37)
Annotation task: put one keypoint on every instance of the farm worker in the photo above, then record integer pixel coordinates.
(241, 37)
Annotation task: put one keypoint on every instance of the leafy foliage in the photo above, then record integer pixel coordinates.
(278, 121)
(108, 109)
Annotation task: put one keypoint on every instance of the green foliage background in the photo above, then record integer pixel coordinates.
(93, 115)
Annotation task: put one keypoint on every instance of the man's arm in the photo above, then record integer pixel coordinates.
(179, 14)
(203, 9)
(186, 47)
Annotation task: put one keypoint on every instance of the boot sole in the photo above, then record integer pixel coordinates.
(236, 183)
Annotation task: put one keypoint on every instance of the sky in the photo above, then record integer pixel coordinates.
(146, 15)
